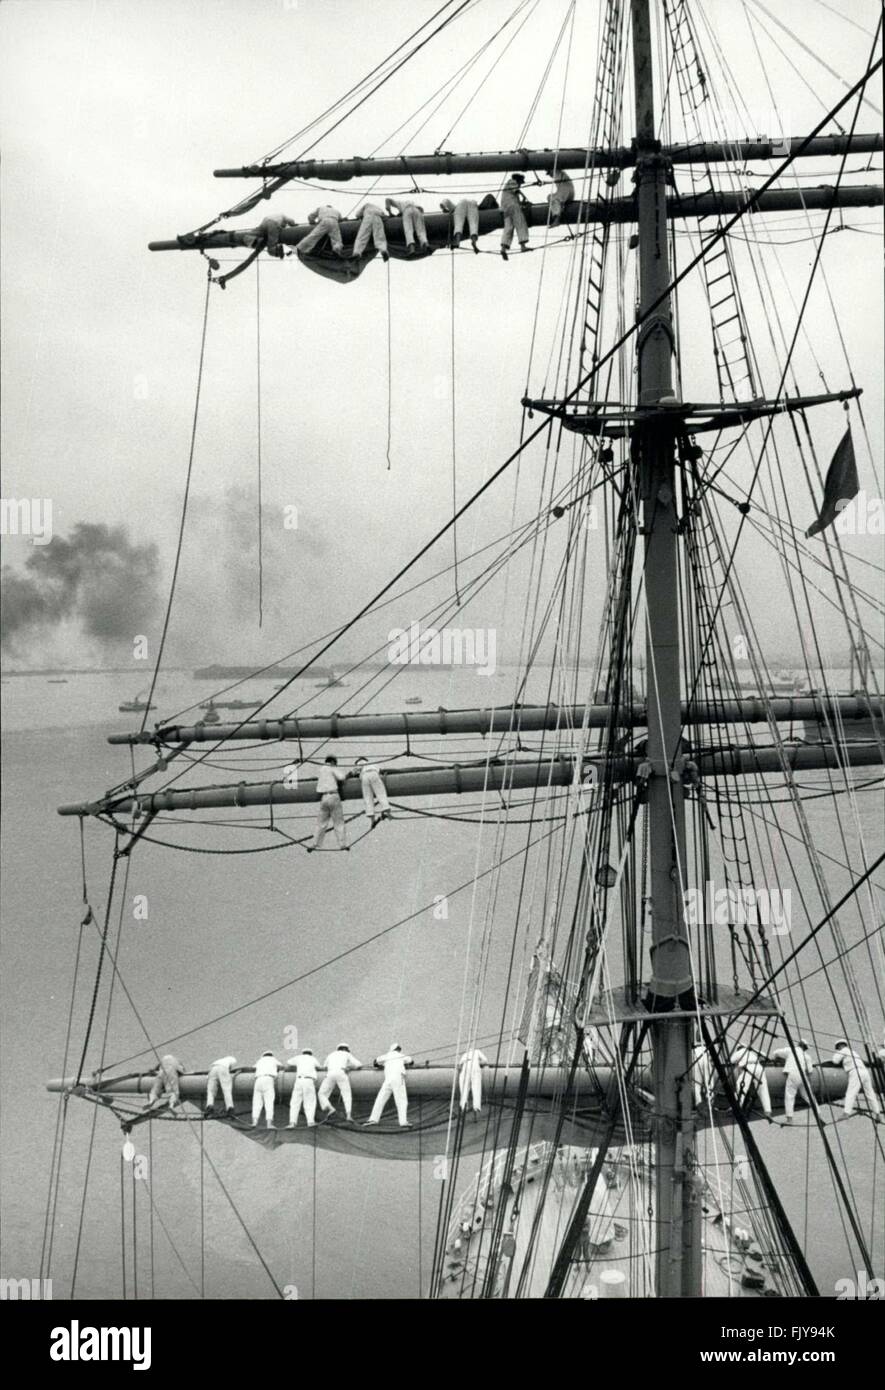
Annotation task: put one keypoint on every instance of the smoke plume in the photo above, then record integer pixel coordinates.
(96, 578)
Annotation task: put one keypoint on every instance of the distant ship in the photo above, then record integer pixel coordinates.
(136, 706)
(413, 700)
(331, 680)
(59, 680)
(210, 713)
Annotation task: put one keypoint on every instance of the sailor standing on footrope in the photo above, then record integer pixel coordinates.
(267, 233)
(371, 229)
(702, 1073)
(221, 1073)
(562, 192)
(464, 213)
(750, 1071)
(169, 1069)
(338, 1064)
(373, 790)
(330, 811)
(796, 1066)
(470, 1078)
(304, 1088)
(513, 202)
(264, 1091)
(394, 1065)
(412, 214)
(859, 1078)
(325, 222)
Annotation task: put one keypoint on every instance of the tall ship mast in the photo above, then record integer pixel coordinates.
(605, 1140)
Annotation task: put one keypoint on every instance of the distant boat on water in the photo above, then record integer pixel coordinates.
(414, 700)
(331, 680)
(136, 706)
(59, 680)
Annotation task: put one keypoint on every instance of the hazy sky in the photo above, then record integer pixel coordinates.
(115, 113)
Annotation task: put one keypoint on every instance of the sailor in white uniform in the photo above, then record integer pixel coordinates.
(267, 233)
(562, 192)
(169, 1069)
(221, 1074)
(796, 1066)
(304, 1088)
(373, 790)
(394, 1064)
(859, 1078)
(412, 214)
(464, 213)
(325, 222)
(330, 811)
(750, 1072)
(702, 1073)
(338, 1064)
(470, 1078)
(371, 229)
(513, 203)
(264, 1091)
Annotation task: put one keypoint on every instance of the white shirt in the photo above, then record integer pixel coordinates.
(794, 1064)
(305, 1065)
(474, 1058)
(371, 208)
(750, 1061)
(366, 769)
(266, 1066)
(394, 1064)
(849, 1059)
(224, 1064)
(328, 779)
(341, 1061)
(322, 212)
(563, 188)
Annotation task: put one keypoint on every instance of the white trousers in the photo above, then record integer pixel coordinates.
(304, 1092)
(371, 228)
(745, 1084)
(373, 789)
(413, 225)
(330, 812)
(514, 221)
(328, 1085)
(793, 1087)
(466, 211)
(220, 1076)
(161, 1087)
(327, 226)
(263, 1098)
(397, 1089)
(470, 1085)
(856, 1084)
(703, 1079)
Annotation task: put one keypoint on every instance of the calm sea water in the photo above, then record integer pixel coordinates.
(223, 929)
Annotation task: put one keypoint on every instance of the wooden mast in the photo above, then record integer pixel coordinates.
(676, 1224)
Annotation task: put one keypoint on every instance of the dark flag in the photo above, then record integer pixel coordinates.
(841, 486)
